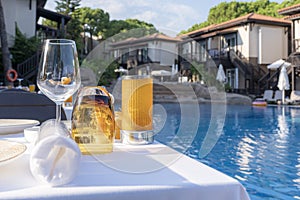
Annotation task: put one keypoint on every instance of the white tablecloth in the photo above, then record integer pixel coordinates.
(151, 172)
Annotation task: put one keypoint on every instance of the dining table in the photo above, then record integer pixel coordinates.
(131, 172)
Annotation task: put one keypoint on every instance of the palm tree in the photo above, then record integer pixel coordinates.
(4, 44)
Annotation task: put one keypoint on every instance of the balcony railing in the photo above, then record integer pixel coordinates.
(28, 66)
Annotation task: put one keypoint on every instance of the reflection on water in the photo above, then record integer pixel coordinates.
(215, 130)
(258, 146)
(297, 179)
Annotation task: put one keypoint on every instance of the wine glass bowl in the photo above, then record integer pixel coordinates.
(58, 75)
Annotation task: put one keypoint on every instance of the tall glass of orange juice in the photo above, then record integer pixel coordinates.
(137, 102)
(32, 88)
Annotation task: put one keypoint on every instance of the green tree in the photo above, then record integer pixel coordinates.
(103, 68)
(95, 21)
(23, 47)
(74, 30)
(115, 27)
(229, 10)
(67, 6)
(129, 28)
(73, 27)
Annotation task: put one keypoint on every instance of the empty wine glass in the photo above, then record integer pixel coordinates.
(20, 83)
(58, 74)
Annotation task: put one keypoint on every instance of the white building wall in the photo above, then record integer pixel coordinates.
(195, 50)
(297, 34)
(268, 43)
(272, 44)
(186, 48)
(152, 51)
(243, 43)
(18, 12)
(209, 43)
(164, 52)
(297, 29)
(253, 41)
(214, 43)
(26, 17)
(169, 53)
(9, 10)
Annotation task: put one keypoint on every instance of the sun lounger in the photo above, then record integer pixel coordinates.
(278, 95)
(268, 96)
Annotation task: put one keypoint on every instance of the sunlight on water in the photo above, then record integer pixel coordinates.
(257, 146)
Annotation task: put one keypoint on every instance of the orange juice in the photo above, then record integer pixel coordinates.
(70, 99)
(31, 88)
(137, 101)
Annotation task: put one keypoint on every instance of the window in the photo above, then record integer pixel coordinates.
(229, 42)
(202, 51)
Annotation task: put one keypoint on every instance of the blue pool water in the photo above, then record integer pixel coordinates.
(259, 146)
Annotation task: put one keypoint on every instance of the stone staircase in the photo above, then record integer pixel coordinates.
(28, 68)
(162, 92)
(173, 92)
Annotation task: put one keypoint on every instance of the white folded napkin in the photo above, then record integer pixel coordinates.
(55, 158)
(51, 127)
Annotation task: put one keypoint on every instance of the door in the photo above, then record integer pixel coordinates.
(231, 77)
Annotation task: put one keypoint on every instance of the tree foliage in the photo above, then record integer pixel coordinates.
(23, 47)
(123, 26)
(98, 23)
(120, 30)
(229, 10)
(67, 6)
(95, 21)
(103, 69)
(73, 27)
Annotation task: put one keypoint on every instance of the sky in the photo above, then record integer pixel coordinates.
(168, 16)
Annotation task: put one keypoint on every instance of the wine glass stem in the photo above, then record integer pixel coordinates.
(58, 112)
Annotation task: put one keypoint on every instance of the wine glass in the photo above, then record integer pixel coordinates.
(20, 83)
(58, 74)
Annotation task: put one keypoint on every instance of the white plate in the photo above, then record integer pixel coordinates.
(10, 151)
(31, 134)
(9, 126)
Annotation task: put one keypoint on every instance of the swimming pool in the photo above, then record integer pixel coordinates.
(259, 146)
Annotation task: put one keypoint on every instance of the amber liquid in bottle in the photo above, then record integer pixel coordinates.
(93, 124)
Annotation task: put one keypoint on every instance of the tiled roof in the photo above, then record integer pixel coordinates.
(155, 36)
(251, 17)
(290, 10)
(291, 17)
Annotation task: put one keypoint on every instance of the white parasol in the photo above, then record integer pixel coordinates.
(161, 73)
(221, 74)
(278, 63)
(121, 70)
(283, 82)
